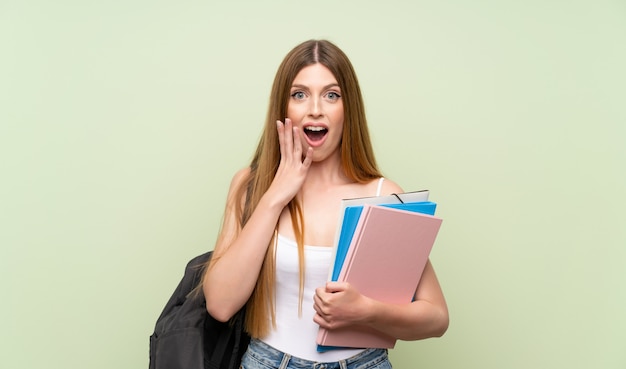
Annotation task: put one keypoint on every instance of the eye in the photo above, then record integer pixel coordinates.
(332, 95)
(298, 95)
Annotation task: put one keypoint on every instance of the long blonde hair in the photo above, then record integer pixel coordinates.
(357, 158)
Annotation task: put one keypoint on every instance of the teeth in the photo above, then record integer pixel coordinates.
(315, 129)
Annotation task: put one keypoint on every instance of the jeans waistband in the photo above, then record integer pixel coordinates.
(264, 352)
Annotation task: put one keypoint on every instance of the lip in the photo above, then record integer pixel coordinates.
(318, 142)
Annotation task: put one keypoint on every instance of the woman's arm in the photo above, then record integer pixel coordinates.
(339, 304)
(232, 274)
(239, 254)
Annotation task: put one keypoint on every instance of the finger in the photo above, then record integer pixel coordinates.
(308, 159)
(319, 320)
(332, 287)
(320, 305)
(297, 143)
(320, 311)
(317, 301)
(288, 137)
(280, 128)
(316, 306)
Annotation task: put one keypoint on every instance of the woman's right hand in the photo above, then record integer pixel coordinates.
(293, 169)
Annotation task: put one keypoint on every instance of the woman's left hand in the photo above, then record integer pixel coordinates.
(339, 304)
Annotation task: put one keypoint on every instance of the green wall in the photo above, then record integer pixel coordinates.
(122, 122)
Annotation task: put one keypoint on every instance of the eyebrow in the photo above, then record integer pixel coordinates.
(307, 88)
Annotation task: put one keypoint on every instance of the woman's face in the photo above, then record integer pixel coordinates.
(316, 107)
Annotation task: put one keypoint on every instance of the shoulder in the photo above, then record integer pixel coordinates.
(239, 179)
(389, 187)
(240, 176)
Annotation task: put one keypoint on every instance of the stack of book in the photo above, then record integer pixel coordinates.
(381, 248)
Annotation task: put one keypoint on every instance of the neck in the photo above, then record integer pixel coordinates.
(326, 172)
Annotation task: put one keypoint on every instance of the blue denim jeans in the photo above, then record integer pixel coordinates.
(262, 356)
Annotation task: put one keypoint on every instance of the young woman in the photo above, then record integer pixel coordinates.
(274, 250)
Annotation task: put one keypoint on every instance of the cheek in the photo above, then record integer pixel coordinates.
(340, 131)
(294, 111)
(290, 111)
(338, 113)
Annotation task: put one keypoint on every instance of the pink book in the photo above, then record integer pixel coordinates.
(386, 259)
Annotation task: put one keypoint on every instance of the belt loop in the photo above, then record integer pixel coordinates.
(285, 361)
(343, 364)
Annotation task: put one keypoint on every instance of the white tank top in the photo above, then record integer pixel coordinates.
(294, 334)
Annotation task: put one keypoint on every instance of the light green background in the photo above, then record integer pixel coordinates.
(122, 122)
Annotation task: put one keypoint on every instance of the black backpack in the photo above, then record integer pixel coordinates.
(187, 337)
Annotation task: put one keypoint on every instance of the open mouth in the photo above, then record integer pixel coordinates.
(315, 133)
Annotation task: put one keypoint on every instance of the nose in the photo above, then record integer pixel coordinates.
(315, 109)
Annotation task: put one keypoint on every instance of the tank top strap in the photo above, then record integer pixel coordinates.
(380, 186)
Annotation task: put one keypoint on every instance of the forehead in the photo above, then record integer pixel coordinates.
(314, 75)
